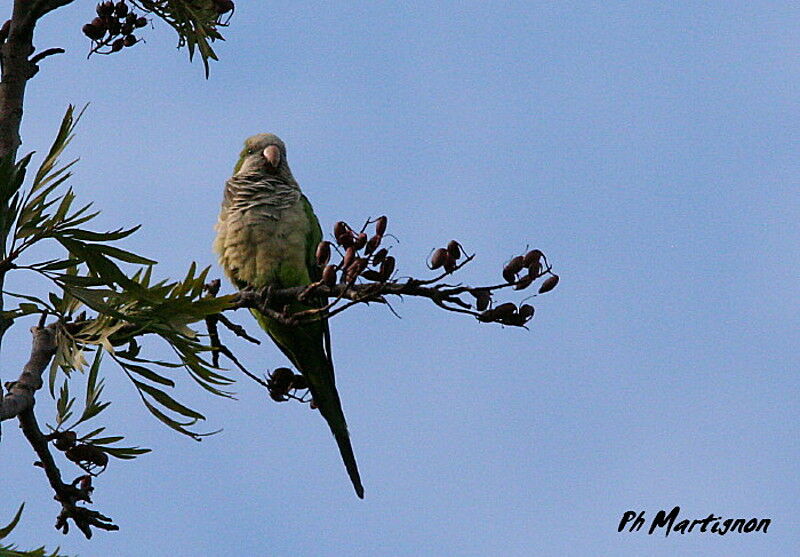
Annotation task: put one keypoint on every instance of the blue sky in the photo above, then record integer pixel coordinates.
(649, 149)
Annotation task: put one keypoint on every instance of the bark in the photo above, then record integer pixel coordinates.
(20, 396)
(16, 71)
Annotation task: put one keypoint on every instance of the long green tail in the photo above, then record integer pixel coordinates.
(304, 346)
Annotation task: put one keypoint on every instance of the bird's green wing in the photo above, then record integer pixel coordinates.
(313, 238)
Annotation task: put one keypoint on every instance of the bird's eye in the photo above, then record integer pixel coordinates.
(250, 151)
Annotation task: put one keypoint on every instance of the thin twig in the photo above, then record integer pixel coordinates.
(238, 330)
(45, 53)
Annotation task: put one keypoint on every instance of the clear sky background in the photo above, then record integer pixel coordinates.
(648, 148)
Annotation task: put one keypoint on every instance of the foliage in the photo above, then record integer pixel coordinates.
(99, 306)
(197, 23)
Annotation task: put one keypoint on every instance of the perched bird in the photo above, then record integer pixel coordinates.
(267, 234)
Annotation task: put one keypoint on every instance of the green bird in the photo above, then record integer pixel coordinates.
(267, 234)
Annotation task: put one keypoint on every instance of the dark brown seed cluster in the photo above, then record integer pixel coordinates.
(508, 314)
(520, 272)
(282, 382)
(361, 257)
(87, 456)
(531, 264)
(64, 440)
(446, 257)
(112, 29)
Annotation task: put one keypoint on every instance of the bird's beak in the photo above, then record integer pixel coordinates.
(273, 155)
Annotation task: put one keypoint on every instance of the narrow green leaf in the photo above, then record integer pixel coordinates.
(6, 530)
(107, 440)
(56, 264)
(148, 374)
(93, 433)
(90, 236)
(124, 453)
(123, 255)
(179, 427)
(168, 402)
(92, 411)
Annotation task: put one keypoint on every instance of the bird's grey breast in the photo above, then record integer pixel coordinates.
(259, 196)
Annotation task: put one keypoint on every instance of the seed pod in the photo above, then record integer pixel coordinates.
(141, 22)
(126, 29)
(438, 258)
(380, 225)
(373, 244)
(130, 40)
(379, 256)
(86, 483)
(354, 270)
(62, 444)
(279, 382)
(516, 264)
(526, 311)
(346, 240)
(524, 282)
(282, 375)
(348, 258)
(360, 241)
(131, 18)
(373, 275)
(65, 440)
(117, 45)
(515, 320)
(105, 9)
(387, 268)
(360, 263)
(549, 284)
(100, 23)
(487, 316)
(299, 382)
(505, 310)
(449, 263)
(323, 253)
(313, 404)
(512, 269)
(223, 6)
(532, 261)
(121, 9)
(329, 276)
(454, 250)
(88, 454)
(340, 228)
(114, 26)
(93, 32)
(482, 299)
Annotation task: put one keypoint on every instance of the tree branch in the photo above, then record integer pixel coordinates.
(20, 402)
(20, 396)
(67, 494)
(266, 302)
(16, 71)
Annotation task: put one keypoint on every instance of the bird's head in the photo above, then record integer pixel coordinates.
(264, 153)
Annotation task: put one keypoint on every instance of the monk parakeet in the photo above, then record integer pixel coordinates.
(267, 234)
